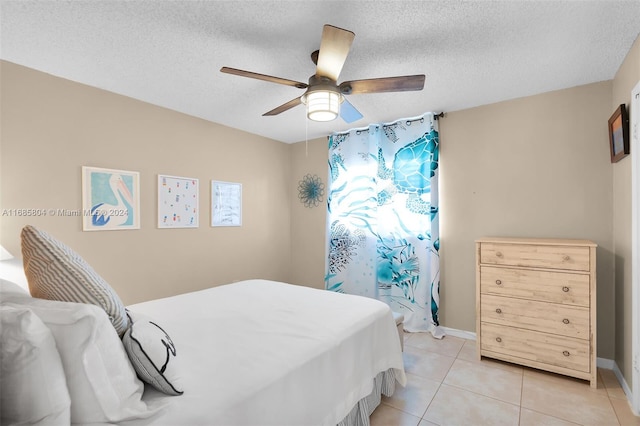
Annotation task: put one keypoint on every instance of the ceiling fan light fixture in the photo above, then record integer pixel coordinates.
(322, 105)
(323, 95)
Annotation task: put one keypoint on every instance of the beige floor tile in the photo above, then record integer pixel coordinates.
(415, 397)
(608, 377)
(386, 415)
(567, 400)
(624, 413)
(617, 393)
(473, 392)
(567, 381)
(611, 384)
(468, 353)
(448, 345)
(533, 418)
(423, 363)
(454, 406)
(484, 380)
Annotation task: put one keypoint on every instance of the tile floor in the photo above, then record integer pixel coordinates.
(447, 385)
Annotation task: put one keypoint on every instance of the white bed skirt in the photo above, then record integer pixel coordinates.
(383, 384)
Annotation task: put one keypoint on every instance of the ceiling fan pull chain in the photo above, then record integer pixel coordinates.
(306, 138)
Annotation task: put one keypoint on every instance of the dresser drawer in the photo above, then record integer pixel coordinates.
(559, 351)
(570, 321)
(535, 256)
(544, 286)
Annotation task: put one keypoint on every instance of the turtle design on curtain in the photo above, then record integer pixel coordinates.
(383, 239)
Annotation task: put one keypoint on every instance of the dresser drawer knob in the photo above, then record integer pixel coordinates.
(566, 321)
(498, 254)
(498, 311)
(498, 282)
(566, 258)
(565, 353)
(565, 289)
(498, 339)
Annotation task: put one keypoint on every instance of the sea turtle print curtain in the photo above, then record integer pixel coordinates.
(382, 217)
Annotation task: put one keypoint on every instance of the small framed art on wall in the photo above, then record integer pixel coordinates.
(178, 205)
(110, 199)
(619, 134)
(226, 203)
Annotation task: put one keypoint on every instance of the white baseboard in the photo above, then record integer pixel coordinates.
(605, 363)
(623, 382)
(463, 334)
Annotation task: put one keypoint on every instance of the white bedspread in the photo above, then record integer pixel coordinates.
(266, 353)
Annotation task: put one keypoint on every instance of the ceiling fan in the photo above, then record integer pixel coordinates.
(324, 97)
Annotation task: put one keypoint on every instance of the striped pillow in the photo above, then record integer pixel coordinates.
(56, 272)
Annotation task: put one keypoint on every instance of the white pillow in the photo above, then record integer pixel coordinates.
(153, 354)
(33, 388)
(102, 383)
(13, 270)
(56, 272)
(9, 289)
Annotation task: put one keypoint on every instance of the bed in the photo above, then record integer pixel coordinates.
(273, 353)
(255, 352)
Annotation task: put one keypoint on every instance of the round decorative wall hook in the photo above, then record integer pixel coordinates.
(310, 190)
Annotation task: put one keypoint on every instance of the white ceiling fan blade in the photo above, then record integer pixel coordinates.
(334, 49)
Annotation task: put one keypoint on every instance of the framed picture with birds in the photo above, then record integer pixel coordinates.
(110, 199)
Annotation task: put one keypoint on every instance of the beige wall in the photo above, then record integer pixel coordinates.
(52, 127)
(626, 78)
(531, 167)
(308, 231)
(536, 167)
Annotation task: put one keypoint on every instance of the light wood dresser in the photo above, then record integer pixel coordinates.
(536, 303)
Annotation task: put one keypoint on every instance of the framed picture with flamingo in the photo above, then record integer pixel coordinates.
(110, 199)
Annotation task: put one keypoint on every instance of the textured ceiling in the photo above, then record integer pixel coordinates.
(169, 53)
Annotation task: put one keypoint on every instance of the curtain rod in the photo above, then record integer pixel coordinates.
(407, 122)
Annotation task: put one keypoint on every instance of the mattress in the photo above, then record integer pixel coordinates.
(261, 352)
